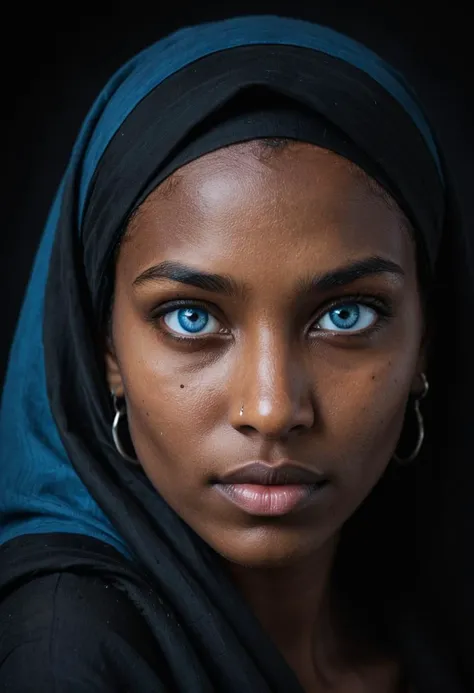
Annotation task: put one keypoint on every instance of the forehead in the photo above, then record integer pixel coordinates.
(248, 210)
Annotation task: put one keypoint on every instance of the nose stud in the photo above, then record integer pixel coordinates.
(241, 413)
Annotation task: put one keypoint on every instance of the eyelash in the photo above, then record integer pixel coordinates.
(169, 307)
(380, 303)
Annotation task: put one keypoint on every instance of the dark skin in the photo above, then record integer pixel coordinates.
(332, 399)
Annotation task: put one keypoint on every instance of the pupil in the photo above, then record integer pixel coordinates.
(346, 316)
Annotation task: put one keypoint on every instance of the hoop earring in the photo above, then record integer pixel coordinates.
(119, 412)
(421, 426)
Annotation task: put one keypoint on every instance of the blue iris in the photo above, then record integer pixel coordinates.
(345, 316)
(193, 319)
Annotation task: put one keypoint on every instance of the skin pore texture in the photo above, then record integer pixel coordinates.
(276, 224)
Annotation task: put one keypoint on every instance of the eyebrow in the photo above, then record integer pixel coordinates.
(223, 284)
(183, 274)
(343, 276)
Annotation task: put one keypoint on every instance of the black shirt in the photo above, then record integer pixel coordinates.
(76, 634)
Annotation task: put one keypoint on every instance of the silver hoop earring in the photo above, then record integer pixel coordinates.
(119, 412)
(421, 426)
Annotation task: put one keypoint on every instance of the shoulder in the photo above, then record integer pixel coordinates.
(67, 632)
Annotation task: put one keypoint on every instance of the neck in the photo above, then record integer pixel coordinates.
(302, 615)
(293, 604)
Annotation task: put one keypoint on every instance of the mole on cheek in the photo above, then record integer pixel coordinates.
(181, 386)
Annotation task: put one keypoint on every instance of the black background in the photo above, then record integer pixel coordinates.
(53, 63)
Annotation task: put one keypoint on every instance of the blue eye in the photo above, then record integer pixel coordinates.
(191, 320)
(348, 317)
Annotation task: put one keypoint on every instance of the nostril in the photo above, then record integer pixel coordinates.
(245, 428)
(300, 428)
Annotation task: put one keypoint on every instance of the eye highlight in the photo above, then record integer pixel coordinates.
(191, 320)
(187, 321)
(348, 317)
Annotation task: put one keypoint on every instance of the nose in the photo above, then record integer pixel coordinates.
(272, 390)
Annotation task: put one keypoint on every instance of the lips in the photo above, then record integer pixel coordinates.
(260, 488)
(265, 474)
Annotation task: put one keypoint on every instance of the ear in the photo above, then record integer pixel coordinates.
(114, 377)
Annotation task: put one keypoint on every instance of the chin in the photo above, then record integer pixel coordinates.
(265, 547)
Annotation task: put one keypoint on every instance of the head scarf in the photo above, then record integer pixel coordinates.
(60, 473)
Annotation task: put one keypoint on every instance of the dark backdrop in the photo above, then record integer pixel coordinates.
(53, 63)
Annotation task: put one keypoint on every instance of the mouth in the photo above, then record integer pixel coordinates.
(263, 489)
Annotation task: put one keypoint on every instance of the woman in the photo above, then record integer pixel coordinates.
(227, 460)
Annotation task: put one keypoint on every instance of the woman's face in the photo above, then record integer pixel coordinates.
(266, 308)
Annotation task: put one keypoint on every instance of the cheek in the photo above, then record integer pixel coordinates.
(364, 393)
(365, 416)
(173, 400)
